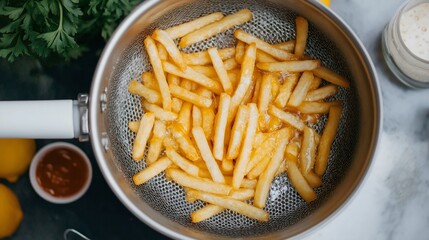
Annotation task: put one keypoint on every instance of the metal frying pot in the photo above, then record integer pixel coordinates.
(161, 203)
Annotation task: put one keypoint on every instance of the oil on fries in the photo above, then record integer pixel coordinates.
(223, 123)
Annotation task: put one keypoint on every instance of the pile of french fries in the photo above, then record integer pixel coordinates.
(223, 123)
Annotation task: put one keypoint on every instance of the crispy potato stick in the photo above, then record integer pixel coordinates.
(231, 64)
(286, 117)
(194, 76)
(265, 179)
(237, 132)
(189, 181)
(232, 204)
(148, 79)
(188, 85)
(247, 68)
(208, 116)
(246, 149)
(331, 76)
(299, 183)
(286, 90)
(264, 46)
(142, 136)
(185, 116)
(301, 89)
(134, 126)
(313, 180)
(155, 144)
(155, 61)
(315, 107)
(163, 37)
(308, 151)
(275, 85)
(260, 137)
(257, 89)
(327, 139)
(301, 35)
(203, 58)
(151, 171)
(181, 30)
(263, 57)
(220, 70)
(210, 210)
(281, 169)
(185, 143)
(234, 77)
(227, 164)
(264, 100)
(289, 66)
(176, 105)
(246, 183)
(315, 84)
(260, 167)
(162, 52)
(207, 71)
(261, 151)
(274, 124)
(207, 155)
(182, 162)
(160, 113)
(150, 95)
(196, 117)
(292, 149)
(321, 93)
(189, 96)
(288, 46)
(249, 93)
(239, 51)
(220, 125)
(169, 142)
(212, 29)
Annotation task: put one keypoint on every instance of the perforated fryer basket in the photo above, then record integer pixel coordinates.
(160, 203)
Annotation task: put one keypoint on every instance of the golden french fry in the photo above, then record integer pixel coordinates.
(301, 35)
(189, 96)
(298, 182)
(265, 179)
(313, 180)
(182, 162)
(155, 144)
(288, 46)
(207, 155)
(231, 64)
(263, 57)
(181, 30)
(331, 76)
(220, 126)
(257, 89)
(162, 52)
(315, 83)
(286, 90)
(151, 171)
(196, 116)
(275, 85)
(150, 95)
(155, 61)
(207, 71)
(321, 93)
(197, 183)
(148, 79)
(212, 29)
(185, 143)
(237, 134)
(326, 139)
(234, 77)
(289, 66)
(261, 151)
(249, 93)
(142, 136)
(160, 113)
(260, 137)
(169, 142)
(203, 58)
(220, 70)
(274, 124)
(264, 100)
(239, 51)
(231, 204)
(308, 151)
(165, 39)
(208, 116)
(246, 149)
(281, 169)
(286, 117)
(245, 183)
(227, 165)
(134, 126)
(259, 167)
(188, 85)
(316, 107)
(185, 116)
(292, 149)
(301, 89)
(264, 46)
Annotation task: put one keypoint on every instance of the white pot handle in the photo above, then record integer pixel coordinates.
(51, 119)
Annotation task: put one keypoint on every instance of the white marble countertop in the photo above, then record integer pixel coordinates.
(392, 203)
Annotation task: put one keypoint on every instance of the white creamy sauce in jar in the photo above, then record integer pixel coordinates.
(414, 30)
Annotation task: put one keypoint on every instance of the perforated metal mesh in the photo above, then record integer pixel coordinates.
(284, 205)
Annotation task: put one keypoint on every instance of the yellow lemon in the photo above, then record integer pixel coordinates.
(15, 157)
(11, 213)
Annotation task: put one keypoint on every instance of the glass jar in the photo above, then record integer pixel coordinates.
(405, 43)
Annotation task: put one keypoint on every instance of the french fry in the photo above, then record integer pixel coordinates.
(260, 137)
(264, 100)
(286, 90)
(246, 183)
(194, 76)
(220, 126)
(239, 51)
(231, 64)
(263, 57)
(188, 85)
(261, 151)
(237, 132)
(134, 126)
(315, 83)
(313, 179)
(176, 103)
(231, 204)
(264, 46)
(183, 163)
(301, 35)
(169, 142)
(196, 117)
(275, 85)
(203, 58)
(208, 71)
(151, 171)
(212, 29)
(288, 46)
(249, 93)
(321, 93)
(308, 151)
(155, 61)
(265, 179)
(142, 136)
(189, 96)
(301, 89)
(160, 113)
(220, 70)
(207, 155)
(274, 124)
(234, 77)
(162, 52)
(326, 140)
(299, 183)
(256, 90)
(315, 107)
(292, 151)
(148, 80)
(281, 169)
(259, 167)
(286, 117)
(289, 66)
(246, 149)
(155, 143)
(150, 95)
(165, 39)
(227, 165)
(185, 143)
(208, 116)
(197, 183)
(181, 30)
(185, 116)
(331, 76)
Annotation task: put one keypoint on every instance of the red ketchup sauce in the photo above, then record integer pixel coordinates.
(62, 172)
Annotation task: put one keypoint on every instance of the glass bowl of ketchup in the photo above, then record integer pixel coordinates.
(60, 172)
